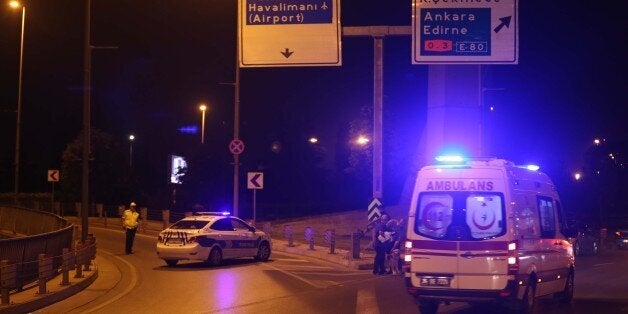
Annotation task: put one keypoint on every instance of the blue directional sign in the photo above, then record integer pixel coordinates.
(465, 32)
(277, 33)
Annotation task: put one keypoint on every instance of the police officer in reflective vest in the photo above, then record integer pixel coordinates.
(130, 222)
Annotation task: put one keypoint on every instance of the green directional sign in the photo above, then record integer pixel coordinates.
(281, 33)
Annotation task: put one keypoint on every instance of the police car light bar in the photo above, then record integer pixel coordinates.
(532, 167)
(212, 213)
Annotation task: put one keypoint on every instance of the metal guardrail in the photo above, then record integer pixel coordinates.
(34, 233)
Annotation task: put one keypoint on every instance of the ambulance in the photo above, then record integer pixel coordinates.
(486, 230)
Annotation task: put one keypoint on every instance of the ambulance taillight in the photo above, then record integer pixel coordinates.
(407, 256)
(513, 259)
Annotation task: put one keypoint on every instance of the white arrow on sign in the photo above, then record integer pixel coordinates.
(255, 180)
(53, 175)
(373, 209)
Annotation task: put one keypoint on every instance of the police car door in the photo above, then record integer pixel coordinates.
(245, 244)
(225, 236)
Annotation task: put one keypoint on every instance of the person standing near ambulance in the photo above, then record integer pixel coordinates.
(130, 222)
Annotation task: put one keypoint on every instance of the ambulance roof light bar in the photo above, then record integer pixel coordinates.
(450, 159)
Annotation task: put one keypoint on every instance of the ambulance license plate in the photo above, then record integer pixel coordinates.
(436, 281)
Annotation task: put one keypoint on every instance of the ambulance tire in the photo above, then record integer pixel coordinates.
(428, 306)
(567, 295)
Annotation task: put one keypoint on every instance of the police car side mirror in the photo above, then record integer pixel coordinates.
(252, 229)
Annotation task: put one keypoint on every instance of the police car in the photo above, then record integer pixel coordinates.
(212, 237)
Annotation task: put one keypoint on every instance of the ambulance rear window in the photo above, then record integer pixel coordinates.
(434, 214)
(460, 216)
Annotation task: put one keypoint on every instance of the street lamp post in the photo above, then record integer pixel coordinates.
(131, 139)
(15, 5)
(203, 108)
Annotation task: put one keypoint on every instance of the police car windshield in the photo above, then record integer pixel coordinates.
(189, 224)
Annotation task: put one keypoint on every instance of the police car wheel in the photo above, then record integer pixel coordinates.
(171, 262)
(215, 257)
(263, 253)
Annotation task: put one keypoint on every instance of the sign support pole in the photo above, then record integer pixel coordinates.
(378, 33)
(236, 121)
(378, 107)
(254, 205)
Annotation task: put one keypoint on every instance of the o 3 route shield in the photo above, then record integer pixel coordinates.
(281, 33)
(465, 32)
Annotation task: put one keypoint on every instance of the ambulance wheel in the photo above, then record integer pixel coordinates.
(171, 262)
(567, 295)
(215, 257)
(428, 306)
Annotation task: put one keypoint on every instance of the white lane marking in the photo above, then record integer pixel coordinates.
(306, 267)
(602, 264)
(290, 260)
(126, 291)
(294, 276)
(366, 302)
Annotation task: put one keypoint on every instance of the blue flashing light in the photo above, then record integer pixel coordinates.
(226, 213)
(532, 167)
(450, 159)
(189, 129)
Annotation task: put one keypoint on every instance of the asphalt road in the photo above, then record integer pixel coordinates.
(141, 283)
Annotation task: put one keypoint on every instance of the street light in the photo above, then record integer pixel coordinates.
(131, 139)
(362, 140)
(16, 5)
(313, 140)
(203, 108)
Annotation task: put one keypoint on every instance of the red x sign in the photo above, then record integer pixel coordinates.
(53, 175)
(236, 147)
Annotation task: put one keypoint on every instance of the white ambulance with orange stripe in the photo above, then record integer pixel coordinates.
(486, 230)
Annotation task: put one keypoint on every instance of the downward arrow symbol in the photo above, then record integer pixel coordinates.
(287, 53)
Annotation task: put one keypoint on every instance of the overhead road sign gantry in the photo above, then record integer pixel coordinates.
(465, 32)
(284, 33)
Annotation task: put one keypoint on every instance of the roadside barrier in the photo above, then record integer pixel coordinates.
(330, 239)
(355, 244)
(309, 237)
(287, 232)
(46, 271)
(8, 279)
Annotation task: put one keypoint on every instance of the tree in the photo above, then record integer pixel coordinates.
(110, 178)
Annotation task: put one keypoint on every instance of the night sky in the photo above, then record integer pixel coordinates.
(567, 89)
